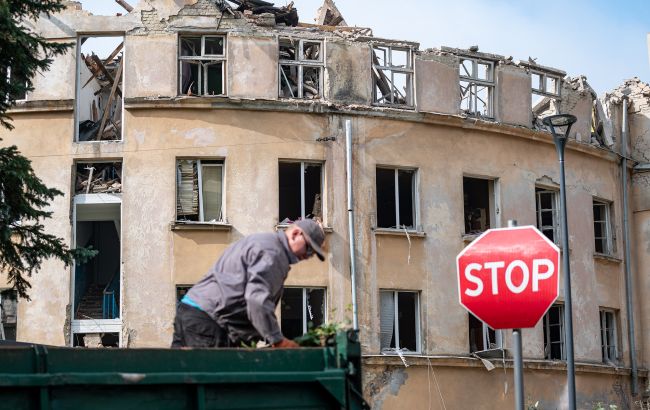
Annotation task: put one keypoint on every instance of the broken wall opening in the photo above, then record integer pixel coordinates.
(96, 340)
(99, 177)
(99, 99)
(8, 314)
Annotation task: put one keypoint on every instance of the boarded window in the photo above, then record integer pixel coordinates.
(396, 198)
(199, 190)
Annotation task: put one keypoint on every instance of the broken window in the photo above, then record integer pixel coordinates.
(604, 242)
(609, 335)
(392, 73)
(482, 336)
(396, 198)
(302, 309)
(399, 321)
(547, 206)
(554, 333)
(202, 65)
(199, 190)
(300, 191)
(99, 89)
(545, 92)
(479, 204)
(301, 68)
(8, 314)
(98, 177)
(477, 86)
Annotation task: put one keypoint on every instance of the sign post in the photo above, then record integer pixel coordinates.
(509, 278)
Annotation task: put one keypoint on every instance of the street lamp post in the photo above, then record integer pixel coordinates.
(560, 125)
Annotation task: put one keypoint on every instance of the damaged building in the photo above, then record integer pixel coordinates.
(180, 126)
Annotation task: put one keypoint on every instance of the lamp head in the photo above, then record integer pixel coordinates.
(560, 124)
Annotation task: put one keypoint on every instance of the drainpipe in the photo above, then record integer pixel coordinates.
(626, 238)
(353, 266)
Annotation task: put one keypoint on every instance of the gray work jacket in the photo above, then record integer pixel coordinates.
(244, 286)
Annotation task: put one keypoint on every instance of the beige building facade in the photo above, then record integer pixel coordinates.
(174, 130)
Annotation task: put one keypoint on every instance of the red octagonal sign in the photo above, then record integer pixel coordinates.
(509, 277)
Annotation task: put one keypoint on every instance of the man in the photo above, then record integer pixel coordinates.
(235, 301)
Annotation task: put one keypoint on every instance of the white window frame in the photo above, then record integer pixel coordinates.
(474, 85)
(414, 197)
(543, 88)
(613, 335)
(494, 202)
(199, 167)
(555, 212)
(204, 61)
(303, 164)
(418, 330)
(547, 327)
(305, 307)
(388, 66)
(300, 62)
(608, 239)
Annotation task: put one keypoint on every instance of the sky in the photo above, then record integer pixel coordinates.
(604, 40)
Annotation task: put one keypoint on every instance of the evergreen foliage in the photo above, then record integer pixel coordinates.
(24, 244)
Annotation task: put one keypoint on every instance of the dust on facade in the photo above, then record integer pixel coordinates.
(180, 126)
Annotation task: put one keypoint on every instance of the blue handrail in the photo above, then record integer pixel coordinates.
(111, 295)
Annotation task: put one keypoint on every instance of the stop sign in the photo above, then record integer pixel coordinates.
(509, 277)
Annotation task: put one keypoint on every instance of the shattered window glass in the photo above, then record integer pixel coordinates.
(392, 71)
(301, 69)
(202, 65)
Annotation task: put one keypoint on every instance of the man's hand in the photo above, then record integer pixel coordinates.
(286, 343)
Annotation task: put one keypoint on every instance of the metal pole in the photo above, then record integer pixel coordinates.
(353, 266)
(560, 143)
(628, 261)
(519, 362)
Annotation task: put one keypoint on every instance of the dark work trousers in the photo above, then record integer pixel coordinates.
(194, 328)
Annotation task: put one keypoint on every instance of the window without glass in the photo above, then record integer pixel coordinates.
(554, 333)
(301, 68)
(482, 336)
(202, 62)
(300, 191)
(8, 314)
(604, 242)
(548, 221)
(477, 86)
(99, 99)
(18, 85)
(608, 335)
(302, 309)
(399, 321)
(199, 190)
(545, 88)
(396, 198)
(479, 204)
(392, 73)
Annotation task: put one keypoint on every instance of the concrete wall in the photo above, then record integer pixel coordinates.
(436, 83)
(148, 76)
(252, 67)
(348, 76)
(513, 100)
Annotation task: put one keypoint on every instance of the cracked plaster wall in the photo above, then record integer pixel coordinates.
(252, 66)
(347, 78)
(437, 82)
(513, 101)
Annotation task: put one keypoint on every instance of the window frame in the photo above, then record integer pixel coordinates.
(555, 212)
(204, 61)
(608, 243)
(485, 333)
(494, 202)
(408, 71)
(301, 63)
(604, 347)
(547, 333)
(305, 321)
(214, 162)
(303, 164)
(473, 81)
(415, 198)
(417, 319)
(3, 325)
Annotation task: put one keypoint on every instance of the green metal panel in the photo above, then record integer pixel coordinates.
(306, 378)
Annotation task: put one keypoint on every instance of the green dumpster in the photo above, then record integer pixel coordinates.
(42, 377)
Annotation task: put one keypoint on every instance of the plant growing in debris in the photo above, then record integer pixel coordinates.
(24, 244)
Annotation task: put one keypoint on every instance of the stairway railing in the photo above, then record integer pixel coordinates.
(111, 294)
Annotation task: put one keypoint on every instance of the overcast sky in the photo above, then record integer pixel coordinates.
(605, 40)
